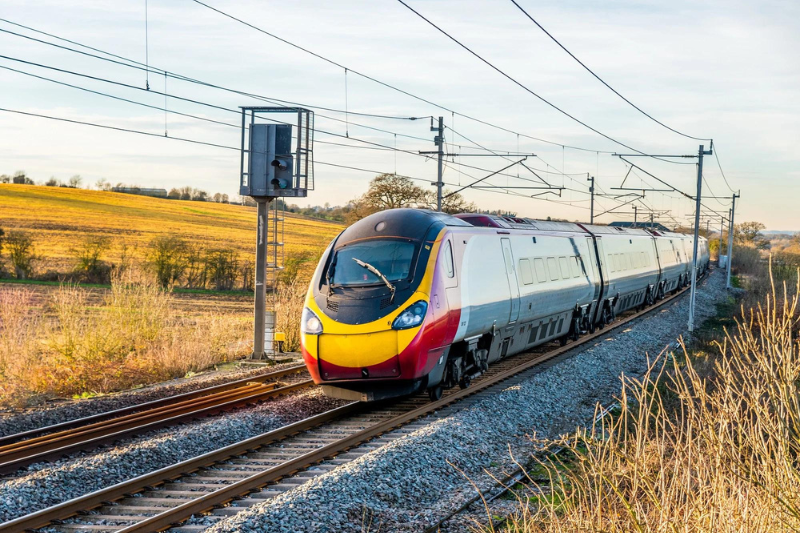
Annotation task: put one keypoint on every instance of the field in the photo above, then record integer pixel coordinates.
(61, 339)
(58, 218)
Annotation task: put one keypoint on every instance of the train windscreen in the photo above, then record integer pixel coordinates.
(391, 258)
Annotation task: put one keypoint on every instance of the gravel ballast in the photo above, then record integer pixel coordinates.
(417, 478)
(43, 485)
(19, 420)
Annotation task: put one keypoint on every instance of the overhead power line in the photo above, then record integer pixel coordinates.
(370, 144)
(520, 84)
(601, 80)
(391, 86)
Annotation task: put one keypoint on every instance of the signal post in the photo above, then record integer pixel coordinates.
(275, 162)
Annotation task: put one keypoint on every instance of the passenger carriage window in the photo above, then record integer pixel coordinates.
(525, 271)
(541, 273)
(552, 267)
(624, 258)
(562, 262)
(448, 260)
(576, 270)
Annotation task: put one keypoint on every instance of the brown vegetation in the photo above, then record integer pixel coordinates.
(133, 336)
(701, 443)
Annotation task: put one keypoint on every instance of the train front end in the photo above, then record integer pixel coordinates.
(367, 323)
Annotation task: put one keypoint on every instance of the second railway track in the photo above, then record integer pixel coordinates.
(250, 471)
(83, 434)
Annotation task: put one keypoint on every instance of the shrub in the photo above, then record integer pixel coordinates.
(167, 257)
(88, 263)
(223, 268)
(196, 267)
(21, 252)
(293, 265)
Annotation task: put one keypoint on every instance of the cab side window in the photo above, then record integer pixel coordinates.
(449, 265)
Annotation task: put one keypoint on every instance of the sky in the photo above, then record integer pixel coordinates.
(726, 70)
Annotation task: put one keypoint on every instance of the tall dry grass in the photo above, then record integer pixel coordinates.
(289, 302)
(67, 347)
(700, 446)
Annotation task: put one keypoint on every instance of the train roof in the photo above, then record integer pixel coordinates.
(509, 222)
(617, 230)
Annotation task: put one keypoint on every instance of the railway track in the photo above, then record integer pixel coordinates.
(83, 434)
(226, 481)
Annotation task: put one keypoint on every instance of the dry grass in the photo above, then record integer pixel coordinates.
(68, 346)
(289, 303)
(698, 446)
(58, 218)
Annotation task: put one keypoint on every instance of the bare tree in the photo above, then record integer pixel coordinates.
(389, 191)
(451, 203)
(75, 181)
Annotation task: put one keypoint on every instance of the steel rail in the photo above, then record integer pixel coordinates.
(69, 424)
(72, 442)
(244, 486)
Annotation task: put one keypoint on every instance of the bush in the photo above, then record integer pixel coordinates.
(88, 263)
(293, 265)
(223, 268)
(21, 252)
(167, 258)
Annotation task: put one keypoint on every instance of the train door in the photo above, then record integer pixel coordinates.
(603, 276)
(450, 281)
(513, 285)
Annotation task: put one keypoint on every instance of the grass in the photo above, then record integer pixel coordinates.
(58, 217)
(177, 290)
(71, 342)
(705, 442)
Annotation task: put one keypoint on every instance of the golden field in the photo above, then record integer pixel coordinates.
(64, 340)
(60, 217)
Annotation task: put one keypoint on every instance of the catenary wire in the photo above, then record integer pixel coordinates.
(581, 63)
(523, 86)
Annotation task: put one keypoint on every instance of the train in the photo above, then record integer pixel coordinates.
(410, 300)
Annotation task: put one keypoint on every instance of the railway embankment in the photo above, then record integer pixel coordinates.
(422, 475)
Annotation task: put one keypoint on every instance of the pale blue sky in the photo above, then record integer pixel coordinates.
(721, 69)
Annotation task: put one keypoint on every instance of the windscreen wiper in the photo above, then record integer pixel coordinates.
(377, 273)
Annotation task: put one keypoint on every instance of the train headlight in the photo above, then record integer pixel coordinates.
(310, 323)
(412, 316)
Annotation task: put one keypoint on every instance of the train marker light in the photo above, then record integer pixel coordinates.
(412, 316)
(310, 323)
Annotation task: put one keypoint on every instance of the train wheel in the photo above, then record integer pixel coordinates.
(435, 393)
(465, 382)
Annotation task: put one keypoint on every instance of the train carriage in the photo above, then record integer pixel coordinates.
(408, 300)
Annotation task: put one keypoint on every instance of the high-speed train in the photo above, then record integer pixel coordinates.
(407, 300)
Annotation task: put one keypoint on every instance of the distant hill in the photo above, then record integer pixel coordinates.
(60, 217)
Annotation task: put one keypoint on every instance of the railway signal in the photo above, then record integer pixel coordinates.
(270, 168)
